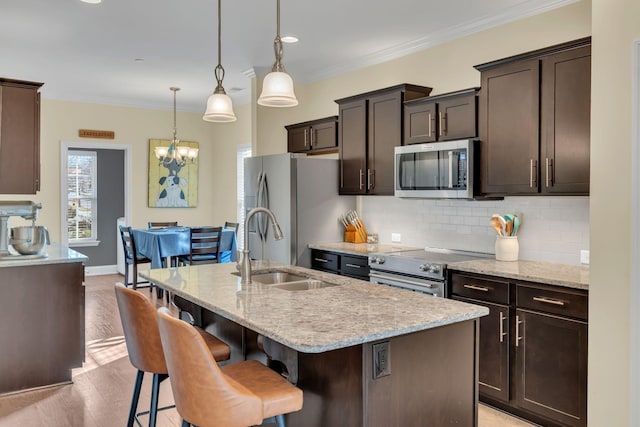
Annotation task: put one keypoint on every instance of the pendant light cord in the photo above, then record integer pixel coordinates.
(219, 71)
(277, 43)
(174, 89)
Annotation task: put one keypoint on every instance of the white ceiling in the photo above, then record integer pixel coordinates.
(87, 52)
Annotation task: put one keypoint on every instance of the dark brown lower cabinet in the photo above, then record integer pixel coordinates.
(551, 366)
(493, 354)
(41, 324)
(532, 348)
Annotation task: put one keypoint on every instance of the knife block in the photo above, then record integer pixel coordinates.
(354, 236)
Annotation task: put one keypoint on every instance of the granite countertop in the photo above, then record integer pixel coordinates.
(570, 276)
(56, 254)
(361, 249)
(316, 320)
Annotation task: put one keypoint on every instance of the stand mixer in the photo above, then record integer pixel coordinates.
(26, 209)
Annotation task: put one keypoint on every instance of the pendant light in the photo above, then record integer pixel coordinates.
(174, 153)
(219, 104)
(277, 87)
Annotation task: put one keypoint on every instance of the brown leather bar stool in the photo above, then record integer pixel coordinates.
(141, 333)
(238, 395)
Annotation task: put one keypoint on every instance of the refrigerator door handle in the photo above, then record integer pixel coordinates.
(265, 204)
(259, 197)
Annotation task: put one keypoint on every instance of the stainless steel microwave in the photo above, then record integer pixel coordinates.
(440, 170)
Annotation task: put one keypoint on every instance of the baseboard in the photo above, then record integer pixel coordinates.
(99, 270)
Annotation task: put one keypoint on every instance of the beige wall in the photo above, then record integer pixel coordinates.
(445, 68)
(61, 120)
(615, 27)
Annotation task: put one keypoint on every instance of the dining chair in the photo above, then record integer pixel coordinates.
(204, 246)
(142, 337)
(131, 256)
(207, 395)
(231, 226)
(153, 225)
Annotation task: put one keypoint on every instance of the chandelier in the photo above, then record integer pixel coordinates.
(174, 152)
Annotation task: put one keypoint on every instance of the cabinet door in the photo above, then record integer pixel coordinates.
(385, 133)
(352, 137)
(298, 139)
(420, 123)
(19, 140)
(551, 367)
(565, 121)
(323, 135)
(493, 354)
(457, 118)
(509, 128)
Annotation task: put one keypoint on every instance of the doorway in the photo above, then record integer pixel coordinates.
(113, 200)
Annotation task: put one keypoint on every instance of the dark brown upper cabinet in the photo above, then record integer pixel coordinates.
(444, 117)
(19, 137)
(370, 126)
(313, 137)
(534, 120)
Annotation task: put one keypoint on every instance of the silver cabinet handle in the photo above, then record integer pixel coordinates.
(321, 260)
(518, 337)
(549, 301)
(361, 186)
(444, 121)
(305, 138)
(440, 123)
(369, 180)
(353, 265)
(502, 332)
(476, 288)
(312, 138)
(549, 167)
(533, 164)
(429, 123)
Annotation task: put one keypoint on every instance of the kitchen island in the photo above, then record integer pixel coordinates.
(363, 354)
(41, 318)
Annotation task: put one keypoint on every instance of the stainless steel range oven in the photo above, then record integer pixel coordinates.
(422, 270)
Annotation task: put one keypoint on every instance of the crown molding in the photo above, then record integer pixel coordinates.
(455, 32)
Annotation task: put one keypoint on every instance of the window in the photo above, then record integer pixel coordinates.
(82, 193)
(244, 151)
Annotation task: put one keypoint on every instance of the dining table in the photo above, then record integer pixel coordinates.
(159, 244)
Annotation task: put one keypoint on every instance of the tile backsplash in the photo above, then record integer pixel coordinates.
(553, 229)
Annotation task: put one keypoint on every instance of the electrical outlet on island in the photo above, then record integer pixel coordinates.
(396, 238)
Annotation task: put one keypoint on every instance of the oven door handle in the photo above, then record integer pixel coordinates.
(396, 279)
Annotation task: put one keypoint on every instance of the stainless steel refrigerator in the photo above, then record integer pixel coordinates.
(302, 192)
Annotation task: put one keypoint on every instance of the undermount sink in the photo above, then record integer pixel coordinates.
(287, 281)
(273, 277)
(303, 285)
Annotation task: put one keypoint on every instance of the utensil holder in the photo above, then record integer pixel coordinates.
(507, 248)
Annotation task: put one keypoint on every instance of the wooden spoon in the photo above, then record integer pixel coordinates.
(495, 223)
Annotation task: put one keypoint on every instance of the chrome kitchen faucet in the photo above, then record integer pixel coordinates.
(245, 261)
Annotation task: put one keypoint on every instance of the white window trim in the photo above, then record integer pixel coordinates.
(93, 240)
(65, 146)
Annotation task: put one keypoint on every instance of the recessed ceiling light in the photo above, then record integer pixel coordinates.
(138, 60)
(92, 1)
(289, 39)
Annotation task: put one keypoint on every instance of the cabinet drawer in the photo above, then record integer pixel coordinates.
(480, 288)
(355, 266)
(324, 261)
(572, 303)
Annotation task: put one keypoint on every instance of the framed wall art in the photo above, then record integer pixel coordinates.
(173, 174)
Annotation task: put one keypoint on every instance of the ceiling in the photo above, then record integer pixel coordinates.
(129, 52)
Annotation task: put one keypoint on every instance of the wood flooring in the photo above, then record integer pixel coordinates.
(101, 390)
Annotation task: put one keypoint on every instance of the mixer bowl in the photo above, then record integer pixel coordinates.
(29, 240)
